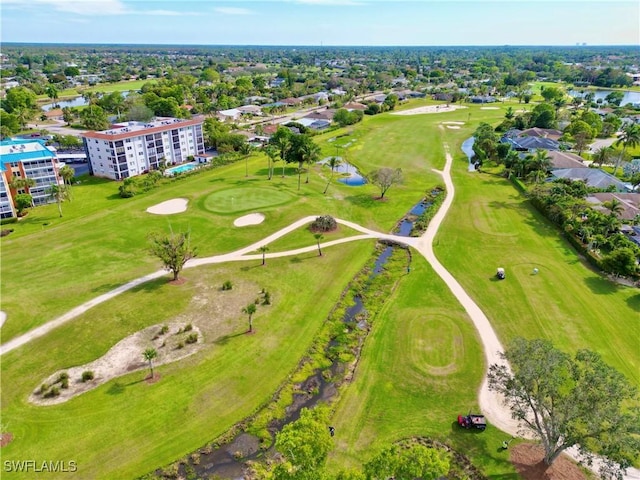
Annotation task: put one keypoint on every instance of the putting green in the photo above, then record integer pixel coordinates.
(235, 200)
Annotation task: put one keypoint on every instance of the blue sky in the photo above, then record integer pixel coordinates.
(326, 22)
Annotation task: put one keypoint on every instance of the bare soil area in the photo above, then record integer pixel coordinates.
(123, 358)
(528, 461)
(5, 439)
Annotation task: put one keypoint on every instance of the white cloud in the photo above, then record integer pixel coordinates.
(233, 11)
(94, 7)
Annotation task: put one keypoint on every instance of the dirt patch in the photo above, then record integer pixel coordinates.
(154, 379)
(5, 439)
(169, 341)
(528, 460)
(178, 281)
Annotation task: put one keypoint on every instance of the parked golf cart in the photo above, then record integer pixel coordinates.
(472, 420)
(500, 273)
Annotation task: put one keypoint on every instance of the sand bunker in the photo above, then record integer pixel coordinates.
(429, 109)
(453, 127)
(123, 358)
(489, 108)
(176, 205)
(251, 219)
(453, 123)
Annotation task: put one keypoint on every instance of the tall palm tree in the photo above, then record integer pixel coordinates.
(250, 310)
(318, 237)
(309, 153)
(630, 137)
(149, 355)
(59, 193)
(334, 162)
(272, 156)
(263, 250)
(67, 173)
(245, 149)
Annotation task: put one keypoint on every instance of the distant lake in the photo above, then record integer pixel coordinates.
(629, 97)
(78, 101)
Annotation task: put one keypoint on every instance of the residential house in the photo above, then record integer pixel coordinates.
(560, 159)
(230, 115)
(20, 158)
(530, 143)
(593, 177)
(482, 99)
(137, 147)
(541, 133)
(351, 106)
(630, 203)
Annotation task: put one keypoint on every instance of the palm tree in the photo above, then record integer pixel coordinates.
(509, 114)
(22, 183)
(309, 153)
(246, 149)
(59, 193)
(263, 249)
(318, 237)
(630, 137)
(149, 354)
(334, 162)
(539, 161)
(537, 176)
(272, 155)
(250, 310)
(614, 206)
(602, 155)
(67, 173)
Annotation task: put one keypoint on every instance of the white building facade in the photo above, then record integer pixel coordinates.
(134, 148)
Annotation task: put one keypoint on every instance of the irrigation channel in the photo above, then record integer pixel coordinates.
(229, 459)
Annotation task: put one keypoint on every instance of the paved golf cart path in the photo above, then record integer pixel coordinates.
(490, 403)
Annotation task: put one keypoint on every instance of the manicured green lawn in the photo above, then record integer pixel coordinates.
(127, 427)
(491, 225)
(244, 199)
(421, 366)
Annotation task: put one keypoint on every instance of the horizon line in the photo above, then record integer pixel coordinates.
(5, 43)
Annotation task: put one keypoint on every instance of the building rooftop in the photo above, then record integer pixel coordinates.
(19, 150)
(134, 129)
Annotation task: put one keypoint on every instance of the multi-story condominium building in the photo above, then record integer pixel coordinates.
(134, 148)
(30, 159)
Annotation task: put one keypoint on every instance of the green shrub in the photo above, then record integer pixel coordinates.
(63, 376)
(164, 329)
(87, 375)
(180, 346)
(43, 388)
(65, 383)
(267, 299)
(188, 327)
(7, 221)
(227, 285)
(324, 223)
(54, 392)
(193, 338)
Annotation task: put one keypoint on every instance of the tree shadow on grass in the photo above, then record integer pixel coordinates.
(118, 387)
(151, 285)
(223, 340)
(364, 200)
(600, 285)
(634, 302)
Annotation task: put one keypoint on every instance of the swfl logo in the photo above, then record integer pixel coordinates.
(43, 466)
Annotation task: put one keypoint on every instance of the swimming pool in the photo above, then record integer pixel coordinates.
(180, 169)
